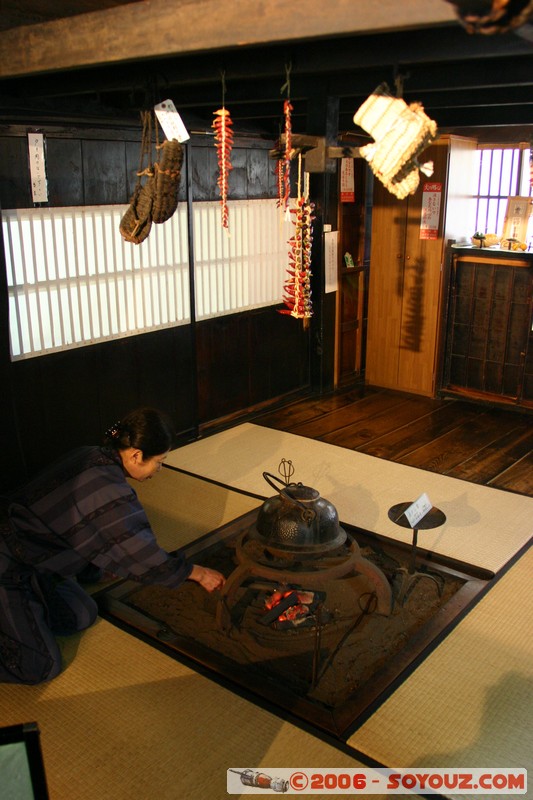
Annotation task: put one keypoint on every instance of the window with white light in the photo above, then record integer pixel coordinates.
(73, 281)
(502, 172)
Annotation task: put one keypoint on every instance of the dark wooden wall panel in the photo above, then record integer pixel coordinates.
(15, 190)
(28, 419)
(279, 349)
(133, 164)
(266, 365)
(64, 172)
(105, 180)
(204, 173)
(166, 373)
(222, 365)
(69, 394)
(245, 359)
(118, 378)
(262, 180)
(238, 175)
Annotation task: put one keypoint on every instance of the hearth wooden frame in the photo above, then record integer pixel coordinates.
(117, 605)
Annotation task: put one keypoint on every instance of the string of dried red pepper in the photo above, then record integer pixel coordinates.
(297, 287)
(223, 127)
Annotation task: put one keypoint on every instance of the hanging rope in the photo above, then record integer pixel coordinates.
(223, 81)
(287, 85)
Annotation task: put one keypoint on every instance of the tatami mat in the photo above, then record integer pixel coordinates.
(182, 508)
(484, 527)
(125, 720)
(470, 703)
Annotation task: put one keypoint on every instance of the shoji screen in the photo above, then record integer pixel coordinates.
(73, 281)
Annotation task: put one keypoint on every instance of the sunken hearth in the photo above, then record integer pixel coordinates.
(322, 633)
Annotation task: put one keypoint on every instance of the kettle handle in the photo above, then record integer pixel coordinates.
(308, 514)
(269, 477)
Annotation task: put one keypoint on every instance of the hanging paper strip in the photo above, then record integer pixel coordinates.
(223, 126)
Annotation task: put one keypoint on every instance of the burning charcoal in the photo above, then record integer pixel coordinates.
(291, 608)
(273, 612)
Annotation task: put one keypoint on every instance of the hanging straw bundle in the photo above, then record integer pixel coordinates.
(157, 199)
(167, 173)
(136, 223)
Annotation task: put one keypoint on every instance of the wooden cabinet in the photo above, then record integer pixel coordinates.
(489, 340)
(406, 262)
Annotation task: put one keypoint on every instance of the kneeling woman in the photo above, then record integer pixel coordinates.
(81, 513)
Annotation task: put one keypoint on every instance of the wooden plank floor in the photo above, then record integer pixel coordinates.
(452, 437)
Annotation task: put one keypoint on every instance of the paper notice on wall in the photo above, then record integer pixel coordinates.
(347, 181)
(430, 215)
(39, 184)
(331, 239)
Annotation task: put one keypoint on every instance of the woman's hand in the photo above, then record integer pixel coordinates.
(210, 579)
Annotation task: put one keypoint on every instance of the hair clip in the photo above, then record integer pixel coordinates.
(114, 431)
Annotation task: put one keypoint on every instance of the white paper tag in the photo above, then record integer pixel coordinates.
(418, 509)
(39, 185)
(170, 121)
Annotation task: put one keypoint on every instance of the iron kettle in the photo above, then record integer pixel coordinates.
(297, 520)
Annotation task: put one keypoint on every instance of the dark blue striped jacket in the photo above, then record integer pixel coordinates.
(82, 509)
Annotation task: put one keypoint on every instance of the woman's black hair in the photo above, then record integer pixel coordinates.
(146, 429)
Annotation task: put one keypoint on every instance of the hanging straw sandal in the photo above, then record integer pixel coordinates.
(155, 200)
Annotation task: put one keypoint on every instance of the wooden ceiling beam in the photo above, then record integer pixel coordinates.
(159, 28)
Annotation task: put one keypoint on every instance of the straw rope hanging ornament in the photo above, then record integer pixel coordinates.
(297, 288)
(223, 127)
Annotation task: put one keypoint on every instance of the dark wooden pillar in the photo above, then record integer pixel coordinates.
(322, 120)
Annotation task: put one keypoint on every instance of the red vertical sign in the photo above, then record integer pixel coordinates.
(347, 181)
(429, 219)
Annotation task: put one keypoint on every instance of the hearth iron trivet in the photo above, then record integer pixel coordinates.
(297, 541)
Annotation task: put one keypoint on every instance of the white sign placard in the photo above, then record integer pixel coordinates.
(331, 239)
(171, 122)
(418, 509)
(39, 185)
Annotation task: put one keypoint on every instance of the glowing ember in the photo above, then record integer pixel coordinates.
(290, 605)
